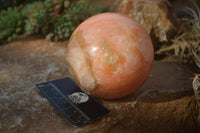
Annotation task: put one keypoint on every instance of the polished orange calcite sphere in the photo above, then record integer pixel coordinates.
(110, 55)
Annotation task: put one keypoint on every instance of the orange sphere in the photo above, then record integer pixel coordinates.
(110, 55)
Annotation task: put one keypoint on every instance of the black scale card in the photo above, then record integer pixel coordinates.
(75, 105)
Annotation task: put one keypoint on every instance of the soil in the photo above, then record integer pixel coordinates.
(165, 103)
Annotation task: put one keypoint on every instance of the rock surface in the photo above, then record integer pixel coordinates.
(113, 5)
(165, 103)
(156, 16)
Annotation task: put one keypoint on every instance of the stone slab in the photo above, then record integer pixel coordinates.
(165, 103)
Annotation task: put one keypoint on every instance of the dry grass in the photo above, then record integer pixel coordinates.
(186, 46)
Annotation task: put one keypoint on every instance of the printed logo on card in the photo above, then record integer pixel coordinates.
(78, 97)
